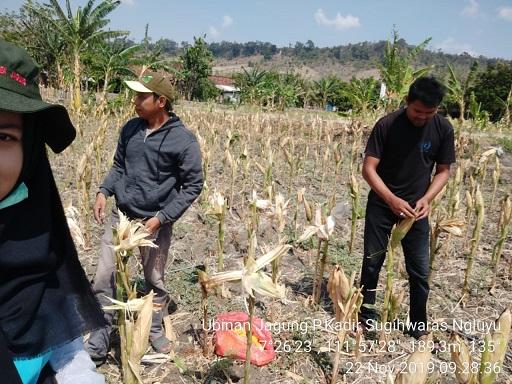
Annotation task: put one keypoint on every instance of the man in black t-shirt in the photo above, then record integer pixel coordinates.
(400, 156)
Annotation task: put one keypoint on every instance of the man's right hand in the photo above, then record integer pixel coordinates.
(99, 208)
(401, 207)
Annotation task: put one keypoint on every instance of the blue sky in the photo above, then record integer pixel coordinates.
(479, 27)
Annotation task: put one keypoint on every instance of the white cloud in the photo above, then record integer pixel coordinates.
(451, 46)
(227, 21)
(505, 13)
(214, 32)
(471, 9)
(339, 22)
(128, 2)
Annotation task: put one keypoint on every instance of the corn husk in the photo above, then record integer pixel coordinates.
(400, 230)
(495, 348)
(461, 356)
(452, 226)
(134, 341)
(485, 155)
(131, 235)
(217, 204)
(72, 216)
(307, 209)
(338, 285)
(322, 230)
(416, 368)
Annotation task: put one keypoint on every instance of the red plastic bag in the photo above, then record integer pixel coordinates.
(231, 339)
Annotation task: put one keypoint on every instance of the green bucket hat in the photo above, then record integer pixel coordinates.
(19, 92)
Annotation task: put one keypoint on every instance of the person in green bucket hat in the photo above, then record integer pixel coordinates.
(46, 302)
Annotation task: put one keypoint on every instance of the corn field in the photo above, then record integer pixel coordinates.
(294, 179)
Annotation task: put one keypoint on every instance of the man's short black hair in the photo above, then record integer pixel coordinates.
(427, 90)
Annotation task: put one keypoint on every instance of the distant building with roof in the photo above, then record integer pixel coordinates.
(226, 86)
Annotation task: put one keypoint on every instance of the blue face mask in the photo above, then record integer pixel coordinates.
(16, 196)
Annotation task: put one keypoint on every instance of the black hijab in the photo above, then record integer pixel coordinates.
(45, 297)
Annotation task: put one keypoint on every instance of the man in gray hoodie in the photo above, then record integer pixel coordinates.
(155, 177)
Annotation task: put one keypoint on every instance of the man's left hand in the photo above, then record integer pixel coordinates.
(422, 208)
(152, 225)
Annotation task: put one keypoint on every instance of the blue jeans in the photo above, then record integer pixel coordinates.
(71, 363)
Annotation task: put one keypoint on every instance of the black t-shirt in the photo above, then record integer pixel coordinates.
(407, 153)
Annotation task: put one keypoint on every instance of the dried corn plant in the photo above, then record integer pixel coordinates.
(453, 227)
(454, 189)
(347, 300)
(84, 182)
(217, 209)
(134, 334)
(233, 166)
(461, 356)
(475, 240)
(134, 319)
(398, 232)
(253, 280)
(503, 230)
(483, 162)
(323, 228)
(355, 198)
(72, 218)
(496, 173)
(277, 213)
(495, 347)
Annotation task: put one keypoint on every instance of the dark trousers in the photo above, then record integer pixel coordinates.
(378, 223)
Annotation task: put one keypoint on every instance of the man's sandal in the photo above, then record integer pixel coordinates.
(162, 345)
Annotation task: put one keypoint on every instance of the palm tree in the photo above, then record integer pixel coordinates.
(397, 72)
(80, 32)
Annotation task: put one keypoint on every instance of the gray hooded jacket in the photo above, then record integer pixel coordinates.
(158, 175)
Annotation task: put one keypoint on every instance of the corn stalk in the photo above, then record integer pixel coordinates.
(503, 228)
(461, 356)
(323, 228)
(495, 347)
(452, 227)
(347, 300)
(356, 209)
(480, 214)
(133, 330)
(218, 211)
(398, 232)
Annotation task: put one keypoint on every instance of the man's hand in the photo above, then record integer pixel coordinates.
(422, 208)
(401, 207)
(99, 208)
(152, 225)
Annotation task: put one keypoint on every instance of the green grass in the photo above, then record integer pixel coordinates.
(506, 143)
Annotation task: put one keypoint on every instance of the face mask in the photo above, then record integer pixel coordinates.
(16, 196)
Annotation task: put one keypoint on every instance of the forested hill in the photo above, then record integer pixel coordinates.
(313, 62)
